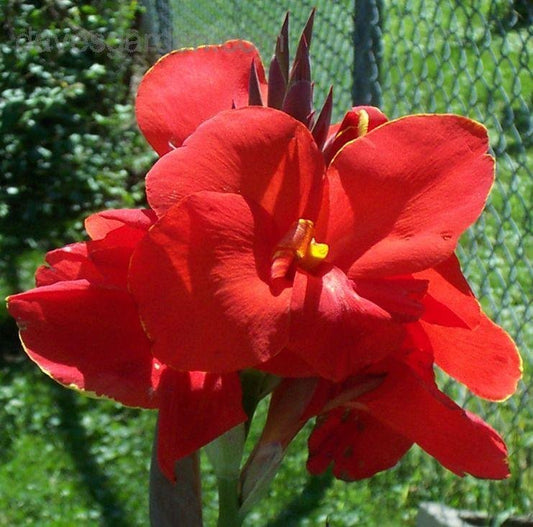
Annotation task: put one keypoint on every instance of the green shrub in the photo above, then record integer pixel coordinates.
(68, 139)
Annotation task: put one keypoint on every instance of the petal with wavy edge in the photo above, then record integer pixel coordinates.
(195, 409)
(189, 86)
(400, 196)
(261, 153)
(201, 279)
(416, 409)
(88, 338)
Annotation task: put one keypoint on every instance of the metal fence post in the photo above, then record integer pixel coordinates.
(367, 52)
(157, 24)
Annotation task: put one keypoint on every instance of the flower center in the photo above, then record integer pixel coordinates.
(297, 247)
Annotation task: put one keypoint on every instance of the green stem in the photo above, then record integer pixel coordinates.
(228, 503)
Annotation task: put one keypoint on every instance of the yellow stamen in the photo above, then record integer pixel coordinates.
(299, 246)
(316, 253)
(362, 125)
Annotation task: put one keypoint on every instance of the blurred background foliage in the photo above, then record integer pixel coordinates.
(69, 146)
(68, 139)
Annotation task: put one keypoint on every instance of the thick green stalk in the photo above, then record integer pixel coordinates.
(225, 454)
(228, 504)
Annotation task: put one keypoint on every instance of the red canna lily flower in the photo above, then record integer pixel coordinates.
(371, 432)
(264, 257)
(80, 325)
(280, 243)
(392, 221)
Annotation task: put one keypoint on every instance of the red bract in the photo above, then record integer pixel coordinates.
(80, 325)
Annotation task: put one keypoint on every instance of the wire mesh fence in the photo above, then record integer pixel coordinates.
(476, 58)
(418, 56)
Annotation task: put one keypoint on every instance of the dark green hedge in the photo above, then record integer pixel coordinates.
(68, 140)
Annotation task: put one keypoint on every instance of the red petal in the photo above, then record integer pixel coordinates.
(195, 409)
(484, 358)
(261, 153)
(459, 440)
(336, 331)
(105, 260)
(401, 195)
(112, 254)
(99, 225)
(88, 338)
(68, 263)
(357, 444)
(449, 300)
(112, 259)
(401, 297)
(189, 86)
(201, 278)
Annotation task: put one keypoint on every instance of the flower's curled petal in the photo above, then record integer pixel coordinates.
(189, 86)
(202, 282)
(357, 122)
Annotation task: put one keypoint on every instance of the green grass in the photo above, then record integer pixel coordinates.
(67, 460)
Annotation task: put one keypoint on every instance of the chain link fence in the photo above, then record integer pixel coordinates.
(420, 56)
(476, 59)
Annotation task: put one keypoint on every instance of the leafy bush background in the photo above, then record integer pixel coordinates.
(68, 140)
